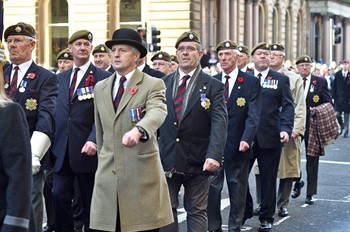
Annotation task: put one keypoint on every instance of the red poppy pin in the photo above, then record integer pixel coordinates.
(314, 82)
(240, 79)
(31, 76)
(133, 90)
(89, 81)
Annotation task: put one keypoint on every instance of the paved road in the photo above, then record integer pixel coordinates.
(331, 211)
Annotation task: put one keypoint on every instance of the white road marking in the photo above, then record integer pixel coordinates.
(281, 220)
(330, 162)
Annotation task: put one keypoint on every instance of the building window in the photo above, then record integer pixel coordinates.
(130, 13)
(58, 28)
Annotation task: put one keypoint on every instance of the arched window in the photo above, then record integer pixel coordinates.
(58, 28)
(130, 13)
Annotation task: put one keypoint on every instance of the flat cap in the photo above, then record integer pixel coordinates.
(188, 36)
(277, 47)
(64, 55)
(303, 59)
(20, 29)
(262, 45)
(161, 56)
(101, 48)
(244, 49)
(82, 34)
(226, 44)
(174, 58)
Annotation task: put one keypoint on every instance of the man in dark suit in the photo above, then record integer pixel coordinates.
(74, 146)
(276, 125)
(103, 58)
(35, 89)
(243, 102)
(145, 68)
(341, 96)
(316, 93)
(193, 136)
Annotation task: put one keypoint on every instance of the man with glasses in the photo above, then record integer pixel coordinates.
(290, 162)
(275, 128)
(315, 93)
(35, 89)
(193, 136)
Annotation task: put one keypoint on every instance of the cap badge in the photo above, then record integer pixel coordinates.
(18, 29)
(227, 44)
(102, 49)
(89, 36)
(190, 36)
(65, 55)
(239, 48)
(306, 59)
(275, 46)
(160, 56)
(267, 45)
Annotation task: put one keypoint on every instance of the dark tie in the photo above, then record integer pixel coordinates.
(119, 94)
(259, 76)
(180, 94)
(13, 85)
(304, 82)
(226, 94)
(73, 83)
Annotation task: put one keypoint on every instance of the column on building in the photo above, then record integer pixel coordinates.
(326, 39)
(224, 28)
(233, 20)
(346, 37)
(204, 24)
(211, 22)
(248, 24)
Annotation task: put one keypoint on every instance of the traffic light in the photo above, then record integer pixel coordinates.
(337, 35)
(143, 33)
(155, 40)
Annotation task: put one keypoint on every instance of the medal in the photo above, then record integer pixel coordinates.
(133, 116)
(21, 89)
(79, 93)
(203, 100)
(6, 85)
(23, 86)
(80, 98)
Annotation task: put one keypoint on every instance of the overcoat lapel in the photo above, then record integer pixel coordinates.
(169, 94)
(107, 90)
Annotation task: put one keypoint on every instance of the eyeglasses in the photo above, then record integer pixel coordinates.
(187, 49)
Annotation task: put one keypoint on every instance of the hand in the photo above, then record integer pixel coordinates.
(131, 138)
(294, 135)
(89, 148)
(243, 146)
(2, 55)
(35, 165)
(211, 165)
(284, 137)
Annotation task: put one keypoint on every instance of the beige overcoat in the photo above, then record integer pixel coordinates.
(133, 177)
(291, 153)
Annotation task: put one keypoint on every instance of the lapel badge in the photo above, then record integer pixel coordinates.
(241, 101)
(316, 98)
(31, 104)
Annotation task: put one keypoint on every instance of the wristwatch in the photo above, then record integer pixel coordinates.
(144, 135)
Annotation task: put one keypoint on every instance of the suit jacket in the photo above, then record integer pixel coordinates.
(277, 110)
(341, 92)
(111, 69)
(15, 170)
(38, 101)
(152, 72)
(131, 178)
(200, 133)
(75, 123)
(244, 109)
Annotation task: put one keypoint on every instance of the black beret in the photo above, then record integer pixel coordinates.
(82, 34)
(174, 58)
(263, 45)
(161, 56)
(64, 55)
(188, 36)
(277, 47)
(20, 29)
(244, 49)
(303, 59)
(101, 48)
(226, 44)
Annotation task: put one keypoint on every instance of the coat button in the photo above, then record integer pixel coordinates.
(175, 123)
(177, 140)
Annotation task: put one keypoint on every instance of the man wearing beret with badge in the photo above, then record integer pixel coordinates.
(290, 162)
(316, 93)
(130, 192)
(243, 102)
(193, 136)
(162, 62)
(243, 59)
(276, 125)
(174, 63)
(74, 146)
(35, 89)
(103, 58)
(64, 60)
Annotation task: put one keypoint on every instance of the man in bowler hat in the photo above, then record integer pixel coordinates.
(130, 192)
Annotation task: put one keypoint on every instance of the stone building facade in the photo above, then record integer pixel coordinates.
(303, 26)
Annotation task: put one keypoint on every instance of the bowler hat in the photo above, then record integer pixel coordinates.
(20, 29)
(127, 36)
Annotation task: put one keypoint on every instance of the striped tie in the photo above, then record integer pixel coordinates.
(73, 83)
(180, 94)
(226, 94)
(304, 82)
(119, 94)
(13, 85)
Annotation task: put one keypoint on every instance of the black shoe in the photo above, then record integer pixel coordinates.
(256, 211)
(265, 226)
(49, 228)
(309, 200)
(283, 212)
(218, 230)
(297, 188)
